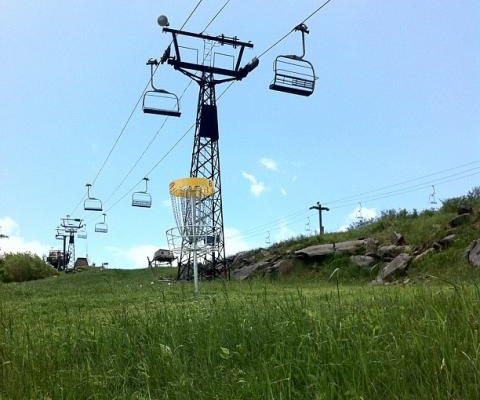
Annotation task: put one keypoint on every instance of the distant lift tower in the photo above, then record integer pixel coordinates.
(205, 156)
(70, 226)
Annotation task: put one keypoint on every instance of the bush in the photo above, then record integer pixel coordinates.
(471, 199)
(24, 267)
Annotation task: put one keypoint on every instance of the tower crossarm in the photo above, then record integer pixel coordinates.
(236, 73)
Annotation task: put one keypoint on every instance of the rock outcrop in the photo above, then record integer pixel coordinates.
(445, 242)
(248, 270)
(395, 267)
(390, 251)
(348, 247)
(362, 261)
(474, 253)
(460, 220)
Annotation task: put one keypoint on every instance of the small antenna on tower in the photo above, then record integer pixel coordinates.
(432, 199)
(359, 212)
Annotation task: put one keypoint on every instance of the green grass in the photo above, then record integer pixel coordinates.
(116, 335)
(420, 229)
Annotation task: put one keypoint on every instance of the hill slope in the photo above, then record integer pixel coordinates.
(398, 245)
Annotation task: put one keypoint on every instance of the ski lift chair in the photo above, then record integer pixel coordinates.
(293, 74)
(155, 100)
(91, 203)
(82, 233)
(101, 227)
(142, 199)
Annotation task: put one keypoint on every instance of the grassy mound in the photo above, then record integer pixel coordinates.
(23, 267)
(121, 335)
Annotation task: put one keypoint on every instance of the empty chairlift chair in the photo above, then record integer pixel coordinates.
(101, 227)
(432, 199)
(91, 203)
(142, 199)
(82, 233)
(159, 101)
(293, 74)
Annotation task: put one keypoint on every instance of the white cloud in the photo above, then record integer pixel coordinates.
(135, 256)
(283, 191)
(234, 242)
(269, 163)
(256, 187)
(8, 226)
(15, 243)
(357, 214)
(283, 233)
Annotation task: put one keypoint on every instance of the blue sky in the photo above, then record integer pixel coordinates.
(397, 98)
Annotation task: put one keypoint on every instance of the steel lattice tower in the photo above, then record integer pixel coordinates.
(70, 227)
(205, 162)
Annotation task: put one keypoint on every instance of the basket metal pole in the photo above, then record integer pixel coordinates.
(195, 267)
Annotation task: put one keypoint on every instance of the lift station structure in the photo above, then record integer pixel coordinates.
(205, 161)
(65, 261)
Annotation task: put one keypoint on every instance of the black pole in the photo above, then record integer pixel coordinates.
(64, 250)
(320, 209)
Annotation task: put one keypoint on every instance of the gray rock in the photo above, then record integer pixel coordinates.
(390, 251)
(362, 261)
(377, 282)
(459, 220)
(248, 270)
(284, 266)
(474, 253)
(423, 254)
(446, 241)
(395, 267)
(464, 209)
(318, 250)
(398, 239)
(350, 247)
(371, 247)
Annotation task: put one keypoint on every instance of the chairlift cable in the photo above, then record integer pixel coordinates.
(215, 16)
(401, 183)
(278, 222)
(164, 156)
(421, 185)
(136, 104)
(191, 14)
(290, 32)
(131, 115)
(164, 122)
(154, 137)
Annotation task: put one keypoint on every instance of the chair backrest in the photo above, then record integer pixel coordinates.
(293, 75)
(161, 102)
(92, 204)
(101, 227)
(141, 199)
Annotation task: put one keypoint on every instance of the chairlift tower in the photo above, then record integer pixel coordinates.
(71, 226)
(205, 161)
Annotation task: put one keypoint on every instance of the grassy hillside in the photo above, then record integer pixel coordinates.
(420, 230)
(121, 335)
(318, 333)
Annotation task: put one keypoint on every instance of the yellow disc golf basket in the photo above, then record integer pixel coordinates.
(191, 203)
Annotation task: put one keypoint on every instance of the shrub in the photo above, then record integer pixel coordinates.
(24, 267)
